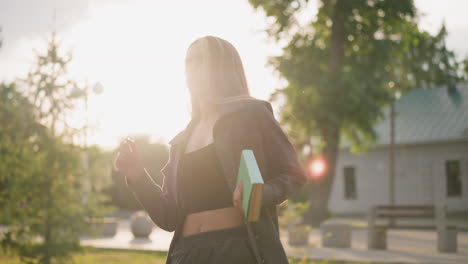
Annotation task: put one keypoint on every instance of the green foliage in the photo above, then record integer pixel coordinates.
(343, 66)
(90, 255)
(46, 194)
(291, 213)
(154, 156)
(51, 91)
(19, 139)
(95, 180)
(381, 48)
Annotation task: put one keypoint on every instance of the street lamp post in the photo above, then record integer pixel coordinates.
(392, 154)
(391, 169)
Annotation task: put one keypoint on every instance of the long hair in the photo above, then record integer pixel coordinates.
(222, 74)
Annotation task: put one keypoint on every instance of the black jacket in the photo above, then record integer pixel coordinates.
(244, 124)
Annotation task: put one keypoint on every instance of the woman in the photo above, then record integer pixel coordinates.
(199, 198)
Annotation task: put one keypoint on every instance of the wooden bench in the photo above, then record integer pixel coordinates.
(377, 234)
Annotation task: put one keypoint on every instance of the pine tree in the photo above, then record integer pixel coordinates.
(43, 172)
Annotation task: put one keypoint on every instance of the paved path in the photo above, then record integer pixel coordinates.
(404, 246)
(158, 240)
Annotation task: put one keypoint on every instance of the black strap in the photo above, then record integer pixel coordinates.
(253, 242)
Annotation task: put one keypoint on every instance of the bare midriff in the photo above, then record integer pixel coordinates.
(211, 220)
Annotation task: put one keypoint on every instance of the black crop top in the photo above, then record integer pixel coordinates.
(201, 182)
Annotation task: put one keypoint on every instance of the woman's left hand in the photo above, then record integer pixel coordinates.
(237, 197)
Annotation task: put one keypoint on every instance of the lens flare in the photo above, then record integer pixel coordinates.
(317, 168)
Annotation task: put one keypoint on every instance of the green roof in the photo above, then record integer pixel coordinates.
(427, 116)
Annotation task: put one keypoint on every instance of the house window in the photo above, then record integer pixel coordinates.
(453, 178)
(349, 183)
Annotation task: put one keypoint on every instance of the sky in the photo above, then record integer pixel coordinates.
(135, 49)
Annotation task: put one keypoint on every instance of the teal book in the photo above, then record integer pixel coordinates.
(249, 174)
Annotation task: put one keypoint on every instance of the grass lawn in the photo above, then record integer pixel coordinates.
(117, 256)
(106, 256)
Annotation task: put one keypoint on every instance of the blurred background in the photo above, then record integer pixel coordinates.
(372, 94)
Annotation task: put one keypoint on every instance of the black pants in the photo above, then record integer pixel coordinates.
(226, 246)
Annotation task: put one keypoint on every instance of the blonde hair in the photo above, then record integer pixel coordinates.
(222, 74)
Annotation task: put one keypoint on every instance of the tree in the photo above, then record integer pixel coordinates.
(154, 156)
(51, 91)
(42, 169)
(18, 131)
(343, 67)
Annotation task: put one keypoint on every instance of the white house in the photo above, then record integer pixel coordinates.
(431, 156)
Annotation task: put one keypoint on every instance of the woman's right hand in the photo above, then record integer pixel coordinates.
(128, 160)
